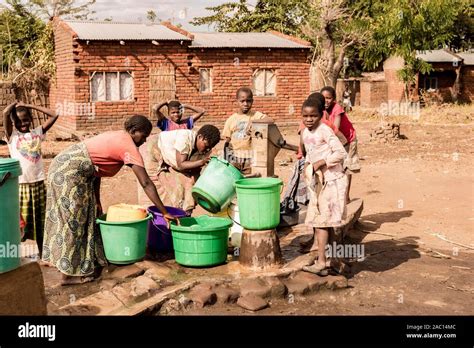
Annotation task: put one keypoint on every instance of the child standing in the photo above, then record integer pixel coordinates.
(24, 145)
(237, 130)
(338, 117)
(324, 155)
(175, 118)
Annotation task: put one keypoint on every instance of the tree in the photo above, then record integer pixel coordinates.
(285, 16)
(334, 27)
(403, 27)
(151, 16)
(62, 8)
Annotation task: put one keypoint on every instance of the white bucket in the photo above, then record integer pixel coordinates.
(235, 232)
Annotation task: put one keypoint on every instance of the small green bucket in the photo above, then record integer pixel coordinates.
(259, 202)
(124, 242)
(201, 241)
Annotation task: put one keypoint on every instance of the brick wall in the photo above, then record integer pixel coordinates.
(373, 93)
(62, 92)
(467, 82)
(7, 96)
(74, 71)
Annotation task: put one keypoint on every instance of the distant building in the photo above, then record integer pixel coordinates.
(106, 71)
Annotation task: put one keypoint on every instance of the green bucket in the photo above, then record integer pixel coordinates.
(201, 241)
(215, 187)
(10, 239)
(259, 202)
(124, 242)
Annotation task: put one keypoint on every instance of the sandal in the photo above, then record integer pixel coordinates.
(317, 268)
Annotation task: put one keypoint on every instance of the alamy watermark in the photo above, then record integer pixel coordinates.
(68, 108)
(346, 251)
(394, 108)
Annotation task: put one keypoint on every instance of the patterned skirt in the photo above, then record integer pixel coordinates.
(32, 209)
(72, 240)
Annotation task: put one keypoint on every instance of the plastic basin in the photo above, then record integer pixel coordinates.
(124, 242)
(201, 241)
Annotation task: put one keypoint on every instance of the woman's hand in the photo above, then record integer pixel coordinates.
(319, 165)
(168, 217)
(205, 160)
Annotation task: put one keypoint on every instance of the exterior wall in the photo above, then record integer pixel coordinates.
(7, 96)
(74, 70)
(395, 87)
(373, 93)
(354, 87)
(467, 83)
(62, 86)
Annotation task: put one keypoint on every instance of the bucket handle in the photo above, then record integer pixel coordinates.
(230, 217)
(5, 178)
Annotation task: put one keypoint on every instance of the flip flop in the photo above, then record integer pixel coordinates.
(317, 268)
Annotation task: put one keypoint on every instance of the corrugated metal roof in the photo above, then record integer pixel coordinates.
(243, 40)
(468, 57)
(437, 56)
(88, 30)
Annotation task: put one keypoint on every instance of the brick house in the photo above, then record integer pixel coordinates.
(106, 71)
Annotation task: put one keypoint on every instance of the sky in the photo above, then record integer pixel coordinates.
(179, 11)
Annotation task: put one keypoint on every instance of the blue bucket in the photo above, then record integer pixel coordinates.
(159, 236)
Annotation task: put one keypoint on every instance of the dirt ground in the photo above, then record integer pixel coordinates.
(416, 191)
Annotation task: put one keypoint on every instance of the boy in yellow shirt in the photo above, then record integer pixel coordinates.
(237, 130)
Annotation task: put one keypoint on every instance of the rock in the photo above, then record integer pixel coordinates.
(278, 289)
(142, 287)
(185, 302)
(296, 286)
(202, 295)
(252, 303)
(337, 282)
(100, 303)
(255, 287)
(313, 281)
(123, 293)
(108, 284)
(226, 294)
(158, 276)
(169, 306)
(156, 268)
(124, 272)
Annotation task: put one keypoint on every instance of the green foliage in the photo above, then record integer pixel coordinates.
(73, 9)
(151, 16)
(286, 16)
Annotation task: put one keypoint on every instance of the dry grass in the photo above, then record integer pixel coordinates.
(443, 113)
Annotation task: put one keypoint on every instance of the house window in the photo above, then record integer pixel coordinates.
(264, 82)
(431, 83)
(205, 80)
(111, 86)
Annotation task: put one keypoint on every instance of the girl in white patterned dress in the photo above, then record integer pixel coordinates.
(324, 156)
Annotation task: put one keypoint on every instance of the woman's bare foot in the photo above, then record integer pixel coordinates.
(74, 280)
(317, 268)
(45, 264)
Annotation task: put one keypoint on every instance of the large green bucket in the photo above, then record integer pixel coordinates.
(124, 242)
(201, 241)
(259, 202)
(215, 187)
(10, 239)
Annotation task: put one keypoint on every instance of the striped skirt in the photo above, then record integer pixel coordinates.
(72, 240)
(32, 209)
